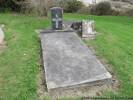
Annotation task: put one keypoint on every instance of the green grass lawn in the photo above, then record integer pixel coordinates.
(115, 44)
(19, 63)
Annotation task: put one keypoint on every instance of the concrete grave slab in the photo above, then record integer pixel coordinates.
(68, 61)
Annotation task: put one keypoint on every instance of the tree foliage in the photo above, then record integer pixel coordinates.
(39, 7)
(10, 5)
(73, 6)
(102, 8)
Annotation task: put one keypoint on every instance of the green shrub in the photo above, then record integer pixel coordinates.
(9, 5)
(73, 6)
(115, 12)
(102, 8)
(84, 10)
(129, 12)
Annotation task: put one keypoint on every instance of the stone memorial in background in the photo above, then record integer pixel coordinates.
(57, 15)
(1, 34)
(88, 28)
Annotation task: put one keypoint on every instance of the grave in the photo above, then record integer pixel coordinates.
(68, 62)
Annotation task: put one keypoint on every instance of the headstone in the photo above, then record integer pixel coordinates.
(57, 15)
(68, 61)
(1, 34)
(87, 29)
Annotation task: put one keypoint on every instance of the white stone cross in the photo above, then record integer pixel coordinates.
(56, 20)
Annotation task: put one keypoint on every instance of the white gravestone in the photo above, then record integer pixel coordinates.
(88, 29)
(1, 34)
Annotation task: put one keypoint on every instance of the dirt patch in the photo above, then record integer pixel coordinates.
(42, 88)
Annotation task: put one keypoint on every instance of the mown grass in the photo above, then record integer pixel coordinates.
(19, 63)
(115, 44)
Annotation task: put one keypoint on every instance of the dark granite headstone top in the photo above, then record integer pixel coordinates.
(57, 15)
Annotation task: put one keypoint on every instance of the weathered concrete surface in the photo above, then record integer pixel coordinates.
(68, 61)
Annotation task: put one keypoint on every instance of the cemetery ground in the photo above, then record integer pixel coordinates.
(20, 58)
